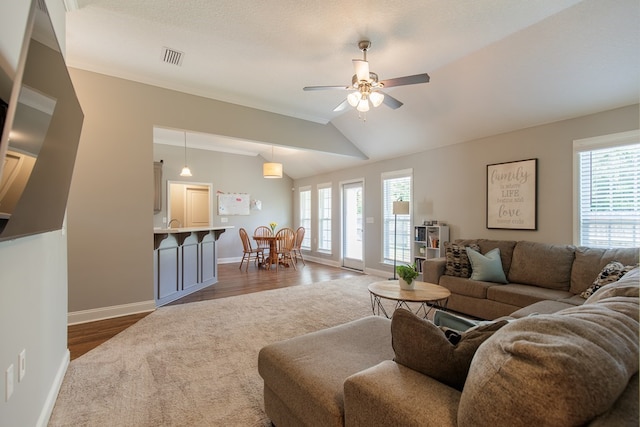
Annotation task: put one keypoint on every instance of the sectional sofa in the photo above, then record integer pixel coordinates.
(575, 366)
(550, 276)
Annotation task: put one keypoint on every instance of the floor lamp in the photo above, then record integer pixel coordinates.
(399, 208)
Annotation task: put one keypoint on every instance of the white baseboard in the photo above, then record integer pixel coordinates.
(379, 273)
(323, 261)
(229, 260)
(50, 402)
(102, 313)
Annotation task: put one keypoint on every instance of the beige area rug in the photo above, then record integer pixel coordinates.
(197, 364)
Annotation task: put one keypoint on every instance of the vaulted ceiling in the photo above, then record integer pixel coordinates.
(495, 65)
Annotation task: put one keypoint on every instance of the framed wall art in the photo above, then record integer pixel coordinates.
(512, 195)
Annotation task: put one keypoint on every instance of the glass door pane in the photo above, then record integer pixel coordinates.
(353, 227)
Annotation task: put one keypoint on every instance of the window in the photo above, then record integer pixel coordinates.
(396, 186)
(324, 218)
(305, 216)
(607, 190)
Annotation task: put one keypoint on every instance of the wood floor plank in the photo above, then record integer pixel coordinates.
(231, 281)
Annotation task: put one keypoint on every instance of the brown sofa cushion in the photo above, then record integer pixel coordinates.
(457, 261)
(590, 261)
(560, 369)
(542, 264)
(422, 346)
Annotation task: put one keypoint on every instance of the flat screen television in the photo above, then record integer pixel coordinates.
(40, 134)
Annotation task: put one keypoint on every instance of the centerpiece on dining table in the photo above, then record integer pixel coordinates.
(273, 226)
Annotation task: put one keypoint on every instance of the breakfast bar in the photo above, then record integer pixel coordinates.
(185, 260)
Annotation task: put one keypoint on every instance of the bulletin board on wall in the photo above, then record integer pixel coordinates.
(233, 204)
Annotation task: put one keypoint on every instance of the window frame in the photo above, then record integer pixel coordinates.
(324, 220)
(388, 258)
(305, 221)
(592, 144)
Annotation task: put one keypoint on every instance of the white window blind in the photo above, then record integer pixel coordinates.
(305, 216)
(396, 186)
(609, 190)
(324, 219)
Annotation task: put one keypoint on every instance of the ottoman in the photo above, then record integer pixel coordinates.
(304, 376)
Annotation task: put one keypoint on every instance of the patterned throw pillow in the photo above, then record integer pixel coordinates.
(457, 262)
(611, 272)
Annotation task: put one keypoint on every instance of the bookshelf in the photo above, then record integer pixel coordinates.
(428, 242)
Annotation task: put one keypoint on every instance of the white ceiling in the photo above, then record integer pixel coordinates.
(495, 65)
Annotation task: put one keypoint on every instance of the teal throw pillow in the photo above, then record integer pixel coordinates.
(487, 267)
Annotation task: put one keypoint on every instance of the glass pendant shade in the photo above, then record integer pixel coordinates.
(185, 171)
(376, 98)
(363, 105)
(353, 98)
(272, 170)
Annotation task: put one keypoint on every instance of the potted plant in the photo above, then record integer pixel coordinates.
(407, 273)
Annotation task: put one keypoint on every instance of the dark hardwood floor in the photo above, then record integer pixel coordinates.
(231, 281)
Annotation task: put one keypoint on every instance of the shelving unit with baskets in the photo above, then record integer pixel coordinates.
(428, 241)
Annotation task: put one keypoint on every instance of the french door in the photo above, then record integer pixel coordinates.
(352, 225)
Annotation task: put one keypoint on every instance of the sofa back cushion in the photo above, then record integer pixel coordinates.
(542, 264)
(558, 369)
(590, 261)
(506, 250)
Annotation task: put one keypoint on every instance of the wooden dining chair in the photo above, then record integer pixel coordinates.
(263, 231)
(249, 252)
(285, 239)
(296, 251)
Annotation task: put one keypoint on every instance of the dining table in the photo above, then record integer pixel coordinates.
(273, 254)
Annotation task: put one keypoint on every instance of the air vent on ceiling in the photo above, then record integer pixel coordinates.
(171, 56)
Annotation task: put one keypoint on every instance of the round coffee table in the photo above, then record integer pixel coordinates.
(429, 296)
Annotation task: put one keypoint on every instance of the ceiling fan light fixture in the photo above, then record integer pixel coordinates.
(376, 98)
(363, 105)
(354, 98)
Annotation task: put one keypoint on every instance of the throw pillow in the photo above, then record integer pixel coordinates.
(457, 262)
(487, 267)
(611, 272)
(422, 346)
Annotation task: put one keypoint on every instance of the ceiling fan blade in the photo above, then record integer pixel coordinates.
(407, 80)
(390, 101)
(343, 105)
(362, 69)
(326, 87)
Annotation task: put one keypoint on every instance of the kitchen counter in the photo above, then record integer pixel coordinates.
(159, 234)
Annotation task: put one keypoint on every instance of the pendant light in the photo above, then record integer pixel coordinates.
(185, 170)
(271, 169)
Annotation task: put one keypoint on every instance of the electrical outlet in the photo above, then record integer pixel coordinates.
(8, 382)
(22, 364)
(224, 219)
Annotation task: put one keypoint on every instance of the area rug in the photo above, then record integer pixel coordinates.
(196, 364)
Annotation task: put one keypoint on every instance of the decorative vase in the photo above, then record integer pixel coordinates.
(406, 286)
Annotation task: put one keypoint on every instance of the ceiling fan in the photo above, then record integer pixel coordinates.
(366, 88)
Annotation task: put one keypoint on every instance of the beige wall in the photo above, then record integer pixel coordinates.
(110, 212)
(33, 277)
(449, 182)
